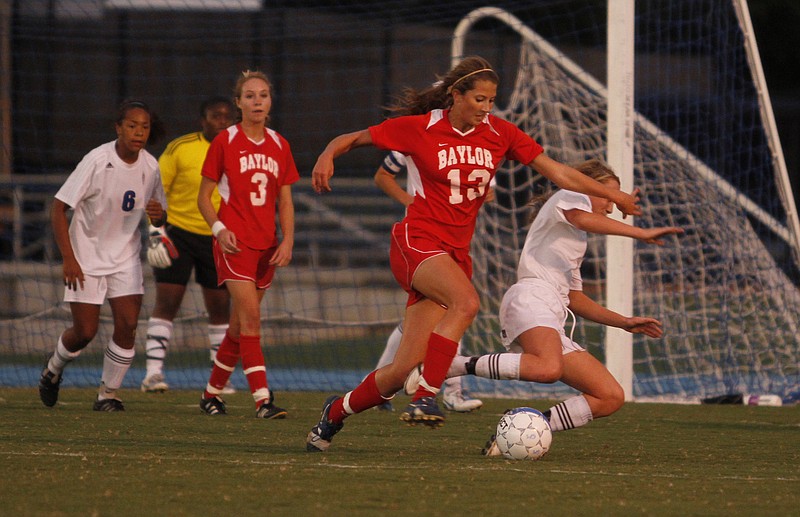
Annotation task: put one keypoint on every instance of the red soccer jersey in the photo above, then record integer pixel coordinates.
(248, 176)
(454, 168)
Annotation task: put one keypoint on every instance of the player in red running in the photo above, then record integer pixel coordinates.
(253, 169)
(447, 131)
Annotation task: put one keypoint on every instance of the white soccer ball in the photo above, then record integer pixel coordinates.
(523, 434)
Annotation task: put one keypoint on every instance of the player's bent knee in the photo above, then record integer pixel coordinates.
(551, 373)
(84, 334)
(611, 400)
(467, 307)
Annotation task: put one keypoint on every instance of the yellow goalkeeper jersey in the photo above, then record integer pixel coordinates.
(180, 164)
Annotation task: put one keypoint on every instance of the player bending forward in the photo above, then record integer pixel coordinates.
(534, 311)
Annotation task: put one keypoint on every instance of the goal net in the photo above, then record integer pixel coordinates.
(702, 157)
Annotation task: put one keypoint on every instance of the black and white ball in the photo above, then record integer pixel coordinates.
(523, 434)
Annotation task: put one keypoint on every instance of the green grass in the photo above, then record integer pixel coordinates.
(163, 457)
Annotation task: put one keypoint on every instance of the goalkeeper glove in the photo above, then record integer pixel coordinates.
(160, 249)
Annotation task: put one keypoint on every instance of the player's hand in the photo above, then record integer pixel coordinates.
(629, 203)
(653, 235)
(321, 174)
(155, 212)
(282, 255)
(73, 274)
(160, 249)
(647, 326)
(227, 241)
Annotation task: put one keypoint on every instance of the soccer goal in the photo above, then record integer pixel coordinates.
(707, 158)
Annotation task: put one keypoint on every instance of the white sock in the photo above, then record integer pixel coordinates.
(458, 367)
(495, 366)
(392, 344)
(159, 332)
(573, 412)
(452, 383)
(116, 362)
(61, 357)
(216, 333)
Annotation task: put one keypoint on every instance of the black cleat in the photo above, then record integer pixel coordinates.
(49, 385)
(423, 411)
(108, 405)
(213, 406)
(320, 436)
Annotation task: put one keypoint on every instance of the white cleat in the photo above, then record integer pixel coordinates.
(228, 389)
(154, 384)
(459, 402)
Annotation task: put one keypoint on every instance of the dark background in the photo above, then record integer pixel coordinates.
(777, 27)
(79, 65)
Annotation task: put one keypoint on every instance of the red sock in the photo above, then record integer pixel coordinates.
(227, 356)
(363, 397)
(440, 354)
(254, 367)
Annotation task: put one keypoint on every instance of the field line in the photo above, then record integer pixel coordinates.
(495, 466)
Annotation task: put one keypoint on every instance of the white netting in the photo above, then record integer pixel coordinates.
(730, 313)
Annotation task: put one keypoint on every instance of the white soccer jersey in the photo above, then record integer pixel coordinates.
(554, 248)
(108, 197)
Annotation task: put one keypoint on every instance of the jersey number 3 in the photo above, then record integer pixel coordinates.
(482, 176)
(259, 198)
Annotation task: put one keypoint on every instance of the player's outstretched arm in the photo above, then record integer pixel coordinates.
(585, 307)
(323, 169)
(600, 224)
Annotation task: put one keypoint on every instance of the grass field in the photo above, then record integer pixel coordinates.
(163, 457)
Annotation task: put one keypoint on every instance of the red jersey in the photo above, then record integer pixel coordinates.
(454, 168)
(248, 176)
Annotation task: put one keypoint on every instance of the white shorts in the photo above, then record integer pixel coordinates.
(532, 304)
(97, 288)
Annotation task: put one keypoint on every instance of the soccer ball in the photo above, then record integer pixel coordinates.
(523, 434)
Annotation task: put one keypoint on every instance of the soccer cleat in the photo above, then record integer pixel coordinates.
(270, 411)
(320, 436)
(491, 449)
(229, 388)
(385, 406)
(49, 385)
(108, 405)
(460, 402)
(154, 384)
(412, 381)
(213, 406)
(423, 411)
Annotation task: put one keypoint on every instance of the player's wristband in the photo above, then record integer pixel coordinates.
(218, 227)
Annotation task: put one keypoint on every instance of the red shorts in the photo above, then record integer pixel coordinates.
(410, 248)
(247, 265)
